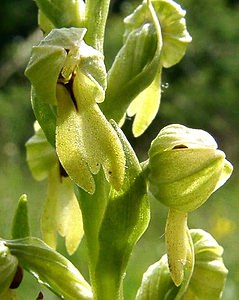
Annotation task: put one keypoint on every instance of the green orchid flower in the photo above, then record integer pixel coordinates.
(155, 37)
(185, 168)
(61, 213)
(65, 95)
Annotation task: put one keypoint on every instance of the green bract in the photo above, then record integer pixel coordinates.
(20, 226)
(185, 167)
(68, 74)
(155, 37)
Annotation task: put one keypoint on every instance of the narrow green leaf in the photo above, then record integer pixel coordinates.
(20, 226)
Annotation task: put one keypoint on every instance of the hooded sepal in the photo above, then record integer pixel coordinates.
(185, 167)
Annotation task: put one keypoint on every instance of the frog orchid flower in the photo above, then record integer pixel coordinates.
(185, 168)
(68, 81)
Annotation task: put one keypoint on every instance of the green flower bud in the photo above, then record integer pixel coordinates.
(185, 167)
(8, 268)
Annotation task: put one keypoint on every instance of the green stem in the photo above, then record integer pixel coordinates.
(96, 16)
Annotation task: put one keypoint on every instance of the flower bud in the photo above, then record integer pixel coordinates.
(185, 167)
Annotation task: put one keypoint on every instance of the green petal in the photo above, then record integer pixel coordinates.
(177, 135)
(177, 244)
(205, 281)
(69, 218)
(185, 167)
(44, 82)
(156, 282)
(49, 217)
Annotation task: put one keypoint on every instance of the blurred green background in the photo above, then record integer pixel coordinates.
(202, 91)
